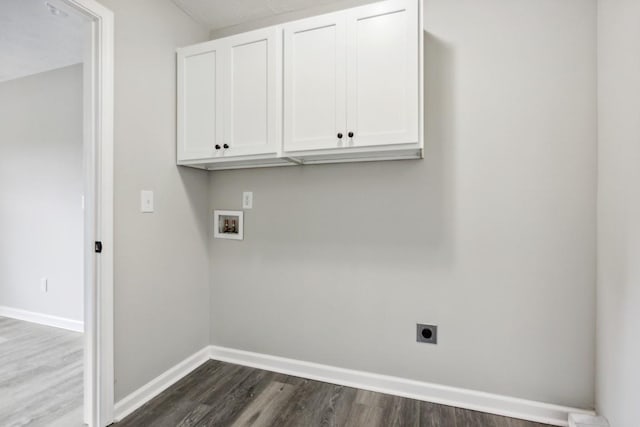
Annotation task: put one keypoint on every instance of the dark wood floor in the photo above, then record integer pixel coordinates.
(222, 394)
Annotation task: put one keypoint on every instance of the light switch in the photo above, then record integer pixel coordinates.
(146, 201)
(247, 200)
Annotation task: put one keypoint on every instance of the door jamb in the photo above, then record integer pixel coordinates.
(98, 175)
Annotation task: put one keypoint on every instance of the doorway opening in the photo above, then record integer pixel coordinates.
(56, 207)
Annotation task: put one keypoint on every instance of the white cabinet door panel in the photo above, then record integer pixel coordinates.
(383, 73)
(314, 83)
(250, 98)
(199, 104)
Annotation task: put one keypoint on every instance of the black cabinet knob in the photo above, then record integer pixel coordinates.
(226, 145)
(339, 135)
(217, 146)
(350, 134)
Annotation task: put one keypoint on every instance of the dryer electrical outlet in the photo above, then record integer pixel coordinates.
(427, 333)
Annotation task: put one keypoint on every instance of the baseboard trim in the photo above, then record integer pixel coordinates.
(159, 384)
(529, 410)
(445, 395)
(42, 319)
(581, 420)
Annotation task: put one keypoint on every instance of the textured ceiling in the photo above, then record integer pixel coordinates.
(217, 14)
(33, 40)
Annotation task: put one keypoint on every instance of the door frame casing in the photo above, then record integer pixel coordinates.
(98, 215)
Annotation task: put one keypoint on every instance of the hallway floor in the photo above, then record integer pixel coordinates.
(41, 375)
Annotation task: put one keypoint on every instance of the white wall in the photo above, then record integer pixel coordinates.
(618, 370)
(41, 218)
(161, 261)
(316, 9)
(492, 235)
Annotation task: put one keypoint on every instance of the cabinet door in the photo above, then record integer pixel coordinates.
(383, 73)
(200, 101)
(251, 93)
(314, 83)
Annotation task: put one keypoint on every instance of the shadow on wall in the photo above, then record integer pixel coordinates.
(439, 136)
(195, 184)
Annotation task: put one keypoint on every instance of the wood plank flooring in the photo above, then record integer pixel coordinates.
(223, 394)
(41, 377)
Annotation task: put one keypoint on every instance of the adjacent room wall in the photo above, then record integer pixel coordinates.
(41, 217)
(161, 259)
(618, 372)
(491, 236)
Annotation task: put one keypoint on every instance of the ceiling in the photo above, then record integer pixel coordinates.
(217, 14)
(34, 40)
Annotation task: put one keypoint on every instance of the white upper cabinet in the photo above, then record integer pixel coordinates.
(352, 78)
(199, 102)
(228, 98)
(314, 84)
(383, 73)
(251, 94)
(340, 87)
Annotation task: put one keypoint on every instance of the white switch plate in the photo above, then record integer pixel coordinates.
(247, 200)
(146, 201)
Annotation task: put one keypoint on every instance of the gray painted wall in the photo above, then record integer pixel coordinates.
(161, 262)
(41, 218)
(491, 236)
(618, 382)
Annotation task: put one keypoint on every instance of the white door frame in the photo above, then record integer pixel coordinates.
(98, 216)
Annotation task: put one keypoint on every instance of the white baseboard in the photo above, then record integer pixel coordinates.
(469, 399)
(581, 420)
(42, 319)
(445, 395)
(159, 384)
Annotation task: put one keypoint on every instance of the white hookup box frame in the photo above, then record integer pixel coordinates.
(228, 224)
